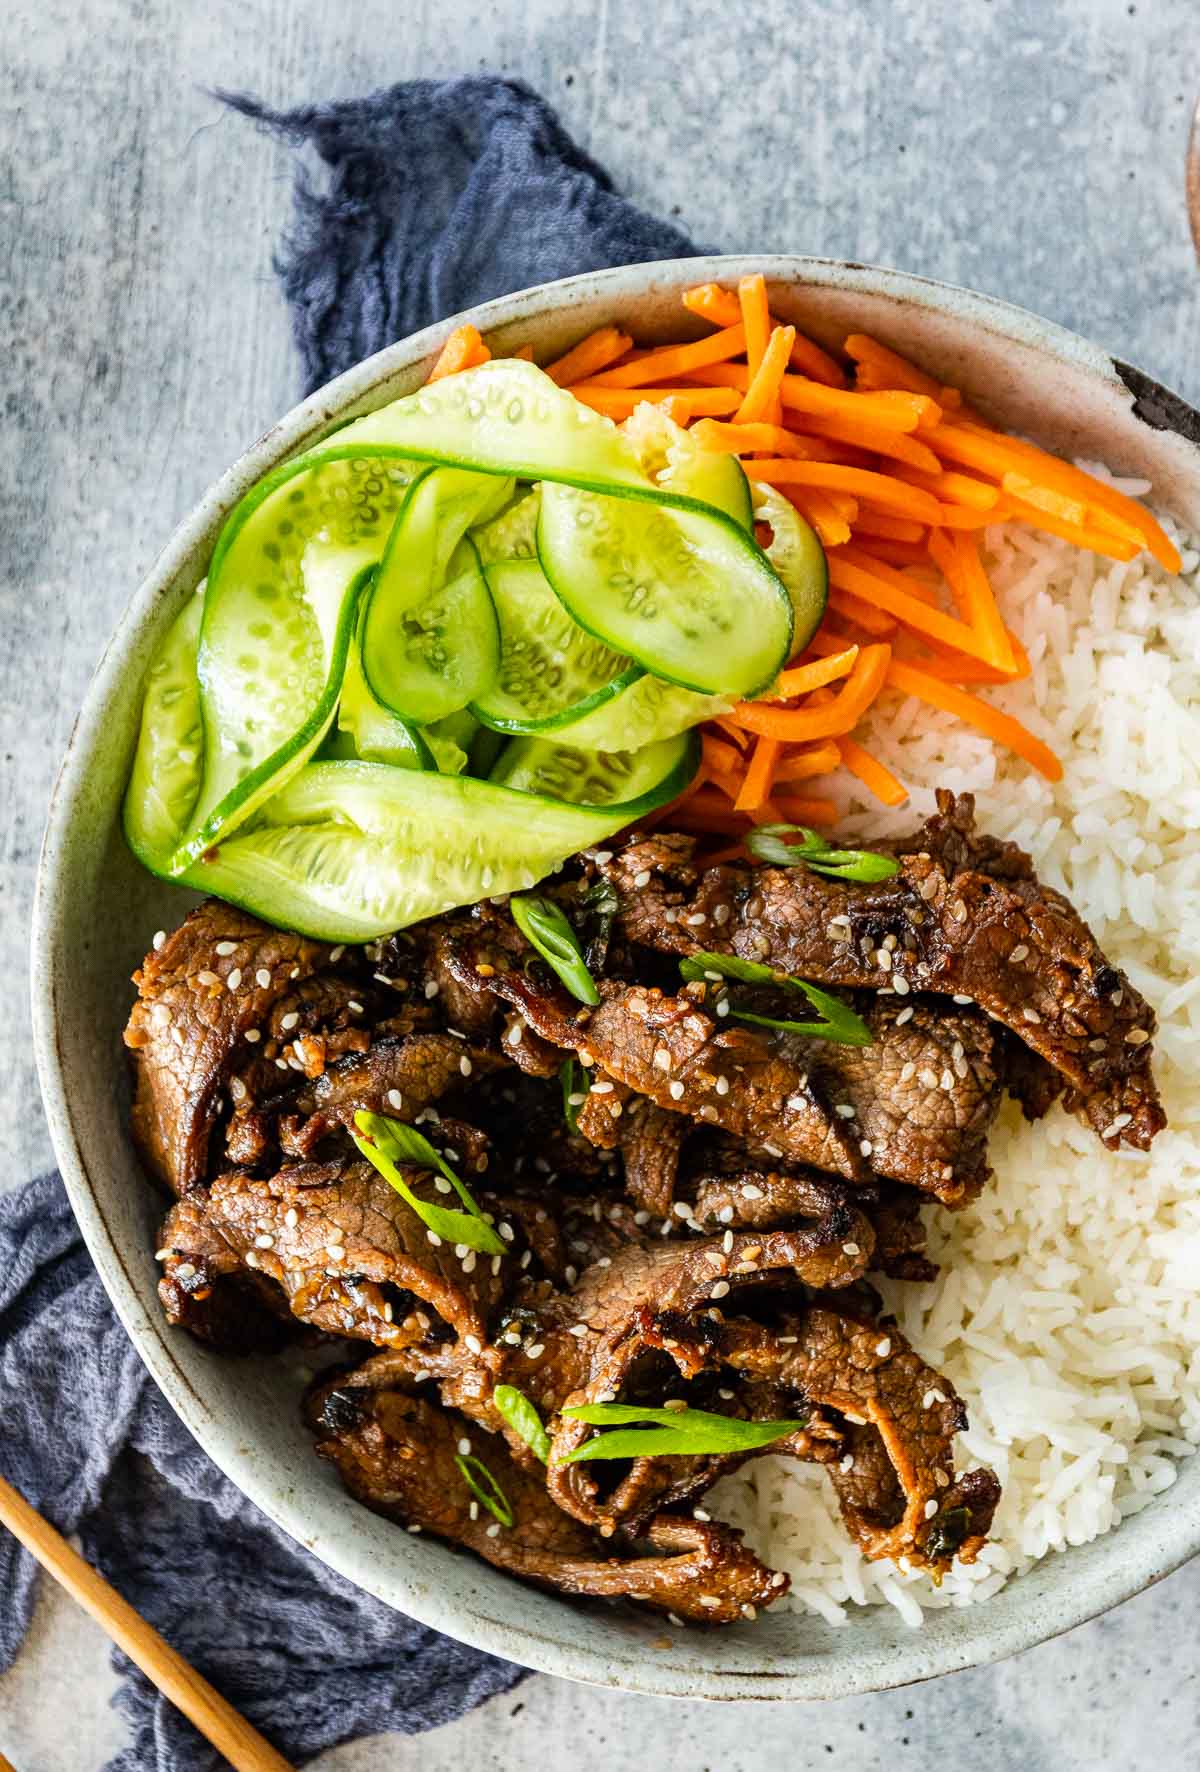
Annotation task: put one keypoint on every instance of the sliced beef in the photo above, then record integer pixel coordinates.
(215, 979)
(965, 916)
(398, 1454)
(399, 1077)
(651, 1147)
(900, 1418)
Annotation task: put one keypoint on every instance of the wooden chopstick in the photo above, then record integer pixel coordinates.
(230, 1734)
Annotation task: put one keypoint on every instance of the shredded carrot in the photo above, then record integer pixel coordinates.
(875, 776)
(879, 367)
(811, 360)
(958, 557)
(620, 402)
(864, 615)
(879, 587)
(903, 412)
(809, 760)
(964, 517)
(723, 308)
(761, 403)
(589, 356)
(831, 520)
(1068, 510)
(875, 438)
(756, 318)
(731, 731)
(736, 438)
(720, 756)
(840, 716)
(974, 712)
(464, 349)
(675, 360)
(951, 488)
(879, 489)
(803, 677)
(1099, 541)
(874, 523)
(805, 811)
(759, 777)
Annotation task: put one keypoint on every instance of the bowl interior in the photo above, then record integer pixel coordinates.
(97, 911)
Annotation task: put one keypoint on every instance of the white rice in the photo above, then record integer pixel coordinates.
(1066, 1311)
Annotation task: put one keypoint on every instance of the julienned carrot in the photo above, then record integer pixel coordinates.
(992, 453)
(878, 587)
(874, 523)
(758, 780)
(830, 518)
(875, 776)
(799, 679)
(761, 403)
(1059, 504)
(464, 349)
(620, 402)
(736, 438)
(1099, 541)
(903, 412)
(974, 712)
(805, 811)
(964, 517)
(803, 764)
(881, 368)
(877, 439)
(841, 715)
(720, 756)
(756, 318)
(951, 488)
(733, 732)
(589, 356)
(665, 365)
(862, 554)
(879, 489)
(864, 615)
(723, 308)
(958, 557)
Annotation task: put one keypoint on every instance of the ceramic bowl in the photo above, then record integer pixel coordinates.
(96, 911)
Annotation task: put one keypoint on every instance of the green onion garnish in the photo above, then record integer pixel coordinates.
(484, 1487)
(840, 1021)
(385, 1142)
(691, 1432)
(542, 923)
(571, 1077)
(866, 866)
(523, 1418)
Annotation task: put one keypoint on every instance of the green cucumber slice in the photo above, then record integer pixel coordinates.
(672, 456)
(642, 713)
(551, 670)
(512, 535)
(597, 778)
(168, 761)
(450, 740)
(798, 558)
(351, 851)
(430, 640)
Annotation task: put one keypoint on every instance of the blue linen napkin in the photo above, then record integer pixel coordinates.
(435, 195)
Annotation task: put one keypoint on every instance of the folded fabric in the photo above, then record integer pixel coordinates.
(435, 195)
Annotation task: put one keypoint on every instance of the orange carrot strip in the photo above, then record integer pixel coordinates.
(890, 528)
(805, 811)
(674, 360)
(762, 396)
(887, 368)
(756, 318)
(902, 412)
(896, 553)
(620, 402)
(731, 731)
(802, 765)
(721, 756)
(864, 615)
(989, 452)
(953, 489)
(801, 678)
(589, 356)
(958, 557)
(980, 714)
(678, 409)
(875, 776)
(756, 784)
(840, 716)
(963, 517)
(831, 521)
(462, 350)
(878, 439)
(1069, 510)
(881, 489)
(723, 308)
(865, 557)
(756, 439)
(1100, 541)
(874, 587)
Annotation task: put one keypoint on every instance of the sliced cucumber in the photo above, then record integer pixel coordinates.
(512, 535)
(598, 778)
(644, 712)
(798, 558)
(169, 760)
(430, 640)
(551, 670)
(350, 851)
(373, 733)
(450, 740)
(672, 456)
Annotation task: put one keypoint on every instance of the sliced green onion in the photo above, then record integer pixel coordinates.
(866, 866)
(840, 1023)
(385, 1142)
(691, 1432)
(522, 1418)
(484, 1487)
(542, 923)
(571, 1077)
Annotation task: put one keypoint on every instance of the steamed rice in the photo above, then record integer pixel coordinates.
(1066, 1311)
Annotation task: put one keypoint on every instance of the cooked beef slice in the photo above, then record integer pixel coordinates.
(651, 1145)
(398, 1454)
(965, 916)
(213, 980)
(753, 1199)
(398, 1077)
(350, 1255)
(900, 1418)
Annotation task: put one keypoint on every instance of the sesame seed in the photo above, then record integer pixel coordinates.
(797, 1103)
(493, 1530)
(682, 1209)
(225, 948)
(163, 1254)
(723, 1006)
(262, 978)
(929, 1399)
(1117, 998)
(960, 998)
(1019, 953)
(289, 1021)
(1136, 1037)
(253, 1036)
(883, 1348)
(846, 1464)
(698, 1513)
(905, 1015)
(536, 1351)
(185, 1271)
(578, 1329)
(940, 1478)
(160, 935)
(720, 1290)
(931, 1508)
(709, 1600)
(696, 919)
(866, 1147)
(675, 1404)
(473, 1343)
(473, 1510)
(851, 1249)
(721, 914)
(929, 1078)
(516, 1033)
(883, 959)
(237, 1089)
(725, 1215)
(676, 1090)
(205, 977)
(727, 1239)
(928, 887)
(722, 1085)
(642, 877)
(264, 1241)
(432, 1237)
(234, 979)
(602, 857)
(750, 1192)
(844, 1111)
(601, 1089)
(947, 1080)
(464, 1447)
(336, 953)
(858, 1420)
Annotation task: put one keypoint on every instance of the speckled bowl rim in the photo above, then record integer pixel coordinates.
(1147, 1547)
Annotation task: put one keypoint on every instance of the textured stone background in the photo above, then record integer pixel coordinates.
(1030, 148)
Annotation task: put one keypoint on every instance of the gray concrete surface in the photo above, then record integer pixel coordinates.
(1031, 148)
